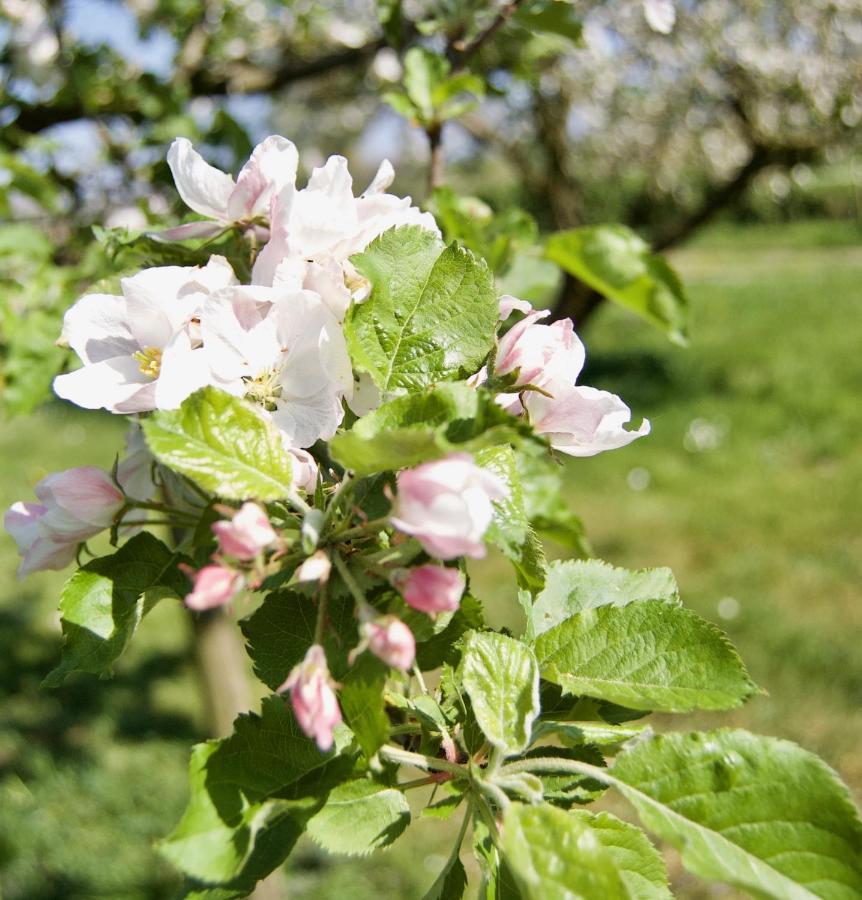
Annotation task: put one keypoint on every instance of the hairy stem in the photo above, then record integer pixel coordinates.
(420, 761)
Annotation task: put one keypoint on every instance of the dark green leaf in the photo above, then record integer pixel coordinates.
(557, 17)
(450, 884)
(103, 603)
(361, 697)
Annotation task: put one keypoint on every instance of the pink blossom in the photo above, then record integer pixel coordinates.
(447, 505)
(312, 696)
(305, 470)
(247, 534)
(390, 640)
(74, 505)
(214, 586)
(582, 421)
(432, 589)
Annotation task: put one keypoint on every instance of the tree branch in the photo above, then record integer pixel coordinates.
(461, 53)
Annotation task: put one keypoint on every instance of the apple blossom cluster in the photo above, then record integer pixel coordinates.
(279, 344)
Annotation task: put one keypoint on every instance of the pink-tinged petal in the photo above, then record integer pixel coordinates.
(151, 302)
(583, 421)
(391, 641)
(313, 697)
(509, 304)
(432, 589)
(326, 278)
(113, 384)
(47, 555)
(306, 420)
(188, 231)
(305, 470)
(214, 586)
(87, 493)
(203, 188)
(22, 523)
(276, 250)
(96, 328)
(183, 371)
(270, 170)
(247, 534)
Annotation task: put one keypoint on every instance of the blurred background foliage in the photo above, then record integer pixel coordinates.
(734, 143)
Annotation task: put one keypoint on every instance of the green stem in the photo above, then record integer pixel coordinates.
(418, 782)
(343, 490)
(417, 674)
(420, 761)
(320, 624)
(361, 530)
(296, 501)
(352, 586)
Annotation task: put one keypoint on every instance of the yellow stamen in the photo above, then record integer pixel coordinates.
(149, 360)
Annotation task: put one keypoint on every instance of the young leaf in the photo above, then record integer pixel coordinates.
(418, 427)
(557, 856)
(759, 813)
(431, 315)
(572, 586)
(639, 863)
(359, 817)
(614, 261)
(224, 445)
(280, 631)
(103, 603)
(439, 649)
(233, 782)
(361, 697)
(510, 529)
(501, 678)
(647, 655)
(557, 17)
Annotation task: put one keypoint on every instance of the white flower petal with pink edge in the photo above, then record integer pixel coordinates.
(431, 589)
(447, 505)
(247, 534)
(204, 188)
(391, 641)
(214, 586)
(583, 421)
(313, 698)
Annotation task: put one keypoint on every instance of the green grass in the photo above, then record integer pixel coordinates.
(748, 488)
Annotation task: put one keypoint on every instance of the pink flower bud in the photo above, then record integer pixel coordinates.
(390, 640)
(246, 534)
(447, 505)
(75, 505)
(214, 586)
(312, 696)
(432, 589)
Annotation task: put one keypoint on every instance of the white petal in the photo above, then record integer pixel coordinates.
(660, 15)
(203, 188)
(183, 371)
(96, 328)
(382, 180)
(150, 296)
(276, 248)
(309, 419)
(108, 384)
(270, 170)
(188, 231)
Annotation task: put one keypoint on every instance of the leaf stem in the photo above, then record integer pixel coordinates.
(350, 581)
(420, 761)
(556, 764)
(360, 530)
(320, 623)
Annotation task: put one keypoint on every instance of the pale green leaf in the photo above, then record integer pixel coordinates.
(639, 863)
(557, 856)
(572, 586)
(361, 697)
(759, 813)
(647, 655)
(410, 430)
(558, 17)
(103, 603)
(431, 314)
(224, 445)
(614, 261)
(359, 817)
(501, 679)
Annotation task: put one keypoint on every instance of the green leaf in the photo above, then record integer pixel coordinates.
(103, 603)
(359, 817)
(759, 813)
(639, 863)
(431, 315)
(647, 655)
(510, 529)
(614, 261)
(501, 678)
(439, 649)
(450, 884)
(552, 17)
(410, 430)
(573, 586)
(424, 71)
(361, 697)
(557, 856)
(222, 444)
(568, 789)
(232, 783)
(280, 631)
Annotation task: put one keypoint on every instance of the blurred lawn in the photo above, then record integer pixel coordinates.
(748, 488)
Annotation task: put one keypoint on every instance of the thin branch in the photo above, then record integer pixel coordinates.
(461, 53)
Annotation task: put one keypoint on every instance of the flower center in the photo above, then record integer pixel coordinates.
(264, 389)
(150, 361)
